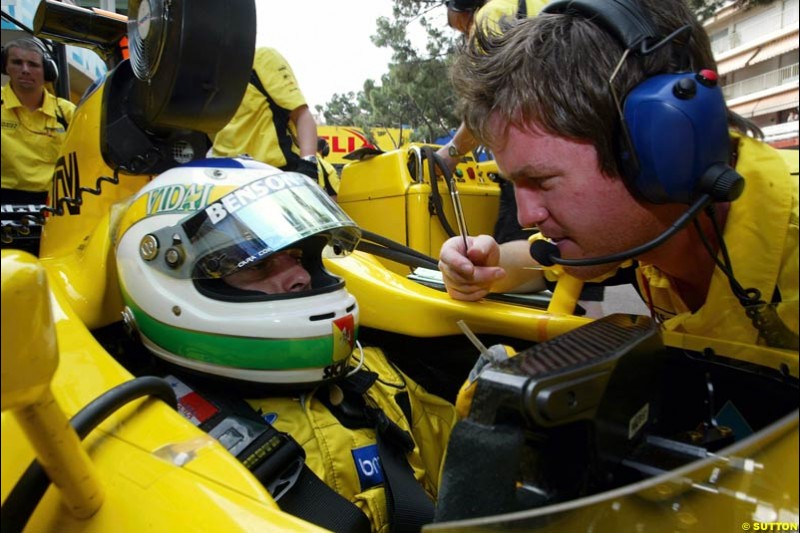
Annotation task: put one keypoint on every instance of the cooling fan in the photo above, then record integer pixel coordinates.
(147, 35)
(192, 59)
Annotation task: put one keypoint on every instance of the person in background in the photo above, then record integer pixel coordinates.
(273, 124)
(34, 122)
(328, 177)
(554, 124)
(464, 15)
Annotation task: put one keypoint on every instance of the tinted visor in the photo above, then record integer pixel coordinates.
(254, 221)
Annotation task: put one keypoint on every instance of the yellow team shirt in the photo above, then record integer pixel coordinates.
(331, 447)
(32, 140)
(261, 128)
(495, 10)
(761, 233)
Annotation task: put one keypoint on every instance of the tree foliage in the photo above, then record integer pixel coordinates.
(416, 90)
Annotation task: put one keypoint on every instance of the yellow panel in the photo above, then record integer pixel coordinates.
(390, 302)
(390, 195)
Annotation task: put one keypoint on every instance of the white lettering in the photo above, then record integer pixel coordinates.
(369, 467)
(253, 192)
(246, 261)
(245, 195)
(216, 213)
(275, 183)
(231, 203)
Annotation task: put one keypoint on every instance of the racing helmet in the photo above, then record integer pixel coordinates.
(196, 223)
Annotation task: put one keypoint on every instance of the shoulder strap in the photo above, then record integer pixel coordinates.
(408, 505)
(256, 81)
(280, 119)
(274, 458)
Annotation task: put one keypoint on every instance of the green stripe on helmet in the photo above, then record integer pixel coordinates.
(238, 352)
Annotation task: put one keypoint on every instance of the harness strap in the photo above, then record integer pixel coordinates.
(316, 502)
(408, 505)
(274, 458)
(280, 119)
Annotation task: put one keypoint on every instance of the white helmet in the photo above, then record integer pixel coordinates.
(196, 223)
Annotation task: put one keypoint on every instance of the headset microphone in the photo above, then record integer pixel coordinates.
(547, 253)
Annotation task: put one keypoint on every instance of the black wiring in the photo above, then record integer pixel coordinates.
(762, 315)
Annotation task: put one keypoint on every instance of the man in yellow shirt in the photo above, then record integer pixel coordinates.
(465, 16)
(34, 123)
(605, 177)
(273, 123)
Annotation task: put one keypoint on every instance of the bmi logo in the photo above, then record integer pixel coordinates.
(368, 466)
(67, 182)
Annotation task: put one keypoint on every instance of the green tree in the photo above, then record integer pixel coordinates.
(416, 91)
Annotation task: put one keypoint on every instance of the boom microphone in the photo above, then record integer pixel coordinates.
(547, 254)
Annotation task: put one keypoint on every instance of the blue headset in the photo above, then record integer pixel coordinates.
(675, 146)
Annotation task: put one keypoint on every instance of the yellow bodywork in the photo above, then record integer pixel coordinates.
(389, 195)
(146, 468)
(149, 461)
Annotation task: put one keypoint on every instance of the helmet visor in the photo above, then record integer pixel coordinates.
(250, 224)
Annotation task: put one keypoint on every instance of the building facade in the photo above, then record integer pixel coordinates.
(757, 58)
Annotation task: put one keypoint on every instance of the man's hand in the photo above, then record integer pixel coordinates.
(469, 274)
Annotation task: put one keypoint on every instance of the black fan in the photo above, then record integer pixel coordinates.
(146, 36)
(193, 60)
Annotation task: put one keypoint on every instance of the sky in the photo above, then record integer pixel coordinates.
(327, 42)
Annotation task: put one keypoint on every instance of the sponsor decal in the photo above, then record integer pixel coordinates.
(345, 145)
(344, 337)
(67, 182)
(178, 198)
(261, 253)
(368, 466)
(251, 193)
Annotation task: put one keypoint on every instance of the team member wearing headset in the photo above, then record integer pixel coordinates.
(604, 189)
(34, 123)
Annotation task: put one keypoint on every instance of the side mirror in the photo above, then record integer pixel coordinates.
(29, 360)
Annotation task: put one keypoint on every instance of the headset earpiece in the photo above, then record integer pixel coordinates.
(673, 145)
(678, 127)
(49, 66)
